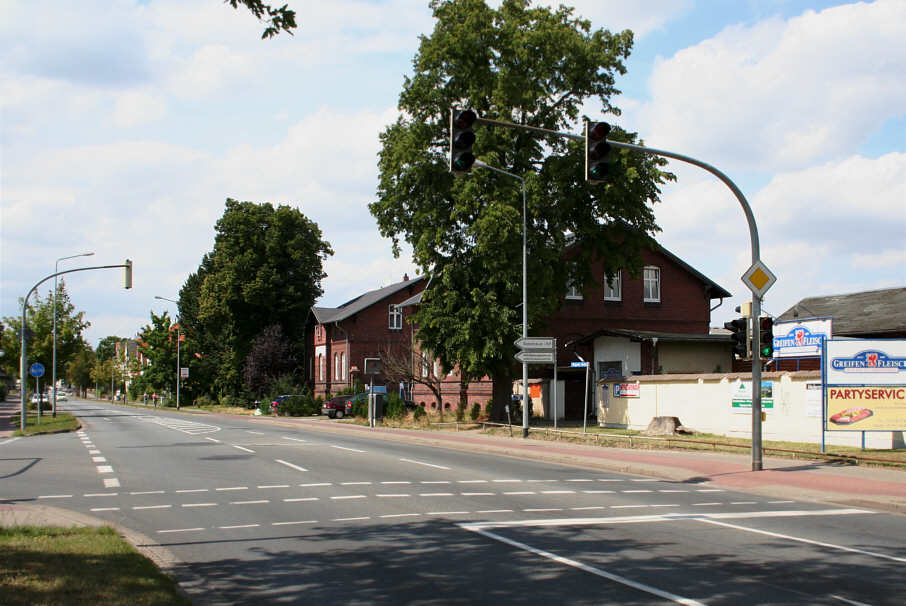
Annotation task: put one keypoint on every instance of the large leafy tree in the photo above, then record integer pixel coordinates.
(157, 343)
(265, 270)
(529, 66)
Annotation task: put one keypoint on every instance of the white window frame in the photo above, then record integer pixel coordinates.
(395, 317)
(322, 367)
(656, 298)
(573, 293)
(615, 286)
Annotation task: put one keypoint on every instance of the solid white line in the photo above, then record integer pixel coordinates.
(803, 540)
(184, 491)
(311, 485)
(111, 483)
(231, 488)
(101, 494)
(239, 526)
(98, 459)
(153, 507)
(150, 492)
(104, 509)
(250, 502)
(212, 439)
(349, 496)
(294, 440)
(350, 519)
(243, 448)
(848, 601)
(274, 486)
(291, 523)
(199, 504)
(180, 530)
(300, 499)
(55, 496)
(105, 469)
(355, 483)
(425, 464)
(388, 496)
(478, 494)
(596, 571)
(344, 448)
(296, 467)
(436, 494)
(401, 515)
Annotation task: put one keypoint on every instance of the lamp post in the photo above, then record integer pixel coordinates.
(56, 270)
(178, 332)
(525, 397)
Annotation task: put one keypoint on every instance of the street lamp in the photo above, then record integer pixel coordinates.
(178, 329)
(56, 270)
(525, 390)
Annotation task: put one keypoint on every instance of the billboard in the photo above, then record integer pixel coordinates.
(801, 338)
(865, 385)
(741, 395)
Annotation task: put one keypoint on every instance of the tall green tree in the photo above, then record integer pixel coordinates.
(266, 269)
(529, 66)
(157, 343)
(106, 348)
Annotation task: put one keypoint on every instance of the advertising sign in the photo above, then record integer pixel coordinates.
(626, 390)
(741, 395)
(801, 338)
(184, 372)
(865, 385)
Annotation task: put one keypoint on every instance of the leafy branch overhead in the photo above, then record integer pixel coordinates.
(278, 19)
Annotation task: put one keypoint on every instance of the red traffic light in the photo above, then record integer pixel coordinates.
(464, 118)
(599, 131)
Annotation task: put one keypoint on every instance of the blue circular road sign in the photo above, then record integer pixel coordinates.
(36, 370)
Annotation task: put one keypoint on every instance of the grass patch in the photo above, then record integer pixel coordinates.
(63, 566)
(49, 424)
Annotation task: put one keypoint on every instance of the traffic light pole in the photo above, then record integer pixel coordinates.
(23, 355)
(757, 463)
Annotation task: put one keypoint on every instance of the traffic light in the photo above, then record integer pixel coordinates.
(596, 151)
(127, 274)
(461, 139)
(739, 329)
(766, 336)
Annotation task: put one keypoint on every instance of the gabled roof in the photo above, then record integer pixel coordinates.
(716, 291)
(348, 309)
(872, 312)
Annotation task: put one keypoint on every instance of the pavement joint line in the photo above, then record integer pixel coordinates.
(243, 448)
(290, 465)
(256, 502)
(226, 488)
(425, 464)
(291, 523)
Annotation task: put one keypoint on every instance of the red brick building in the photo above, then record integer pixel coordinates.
(655, 322)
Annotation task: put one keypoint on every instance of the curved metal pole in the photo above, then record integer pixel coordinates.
(525, 399)
(56, 268)
(23, 355)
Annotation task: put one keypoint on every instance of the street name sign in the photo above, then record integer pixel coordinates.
(578, 364)
(536, 356)
(531, 343)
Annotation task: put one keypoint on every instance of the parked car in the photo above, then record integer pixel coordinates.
(38, 397)
(62, 396)
(339, 406)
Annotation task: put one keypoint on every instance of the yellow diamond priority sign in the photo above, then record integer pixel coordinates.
(759, 278)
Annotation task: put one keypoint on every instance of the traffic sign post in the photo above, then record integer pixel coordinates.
(537, 350)
(37, 371)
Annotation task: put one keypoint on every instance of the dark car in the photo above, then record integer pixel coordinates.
(339, 406)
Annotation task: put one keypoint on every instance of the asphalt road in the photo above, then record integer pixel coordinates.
(262, 514)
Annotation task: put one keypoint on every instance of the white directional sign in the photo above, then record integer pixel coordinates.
(536, 356)
(529, 343)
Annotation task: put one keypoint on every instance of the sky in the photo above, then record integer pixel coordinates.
(125, 125)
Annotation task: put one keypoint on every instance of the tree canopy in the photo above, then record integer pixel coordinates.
(529, 66)
(278, 19)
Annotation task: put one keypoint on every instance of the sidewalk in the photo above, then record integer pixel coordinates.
(8, 408)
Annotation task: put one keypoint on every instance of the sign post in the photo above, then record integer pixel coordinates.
(372, 367)
(37, 371)
(536, 350)
(583, 364)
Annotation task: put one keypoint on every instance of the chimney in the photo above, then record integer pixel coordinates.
(405, 277)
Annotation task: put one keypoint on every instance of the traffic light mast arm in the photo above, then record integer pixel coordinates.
(756, 255)
(23, 354)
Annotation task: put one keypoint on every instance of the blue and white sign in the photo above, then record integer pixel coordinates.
(36, 370)
(578, 364)
(801, 338)
(865, 362)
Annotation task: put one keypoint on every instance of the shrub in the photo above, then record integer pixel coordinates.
(394, 408)
(204, 400)
(419, 413)
(299, 406)
(360, 408)
(476, 411)
(232, 401)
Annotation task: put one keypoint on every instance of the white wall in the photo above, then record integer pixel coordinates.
(704, 403)
(619, 348)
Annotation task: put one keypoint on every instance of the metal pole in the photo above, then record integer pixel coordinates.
(56, 269)
(585, 417)
(178, 369)
(554, 398)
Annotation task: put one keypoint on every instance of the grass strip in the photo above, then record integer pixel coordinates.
(63, 566)
(49, 424)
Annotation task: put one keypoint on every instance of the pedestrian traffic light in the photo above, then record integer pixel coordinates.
(596, 151)
(461, 139)
(127, 274)
(739, 336)
(766, 336)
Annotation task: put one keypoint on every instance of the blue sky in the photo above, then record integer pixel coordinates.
(125, 125)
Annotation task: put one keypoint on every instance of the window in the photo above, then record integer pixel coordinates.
(336, 366)
(572, 291)
(342, 374)
(396, 317)
(652, 278)
(613, 288)
(322, 370)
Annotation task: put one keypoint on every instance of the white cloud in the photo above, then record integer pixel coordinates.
(783, 94)
(137, 107)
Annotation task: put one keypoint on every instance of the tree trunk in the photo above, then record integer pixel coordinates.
(502, 394)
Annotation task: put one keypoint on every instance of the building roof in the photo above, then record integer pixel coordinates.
(348, 309)
(715, 290)
(872, 312)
